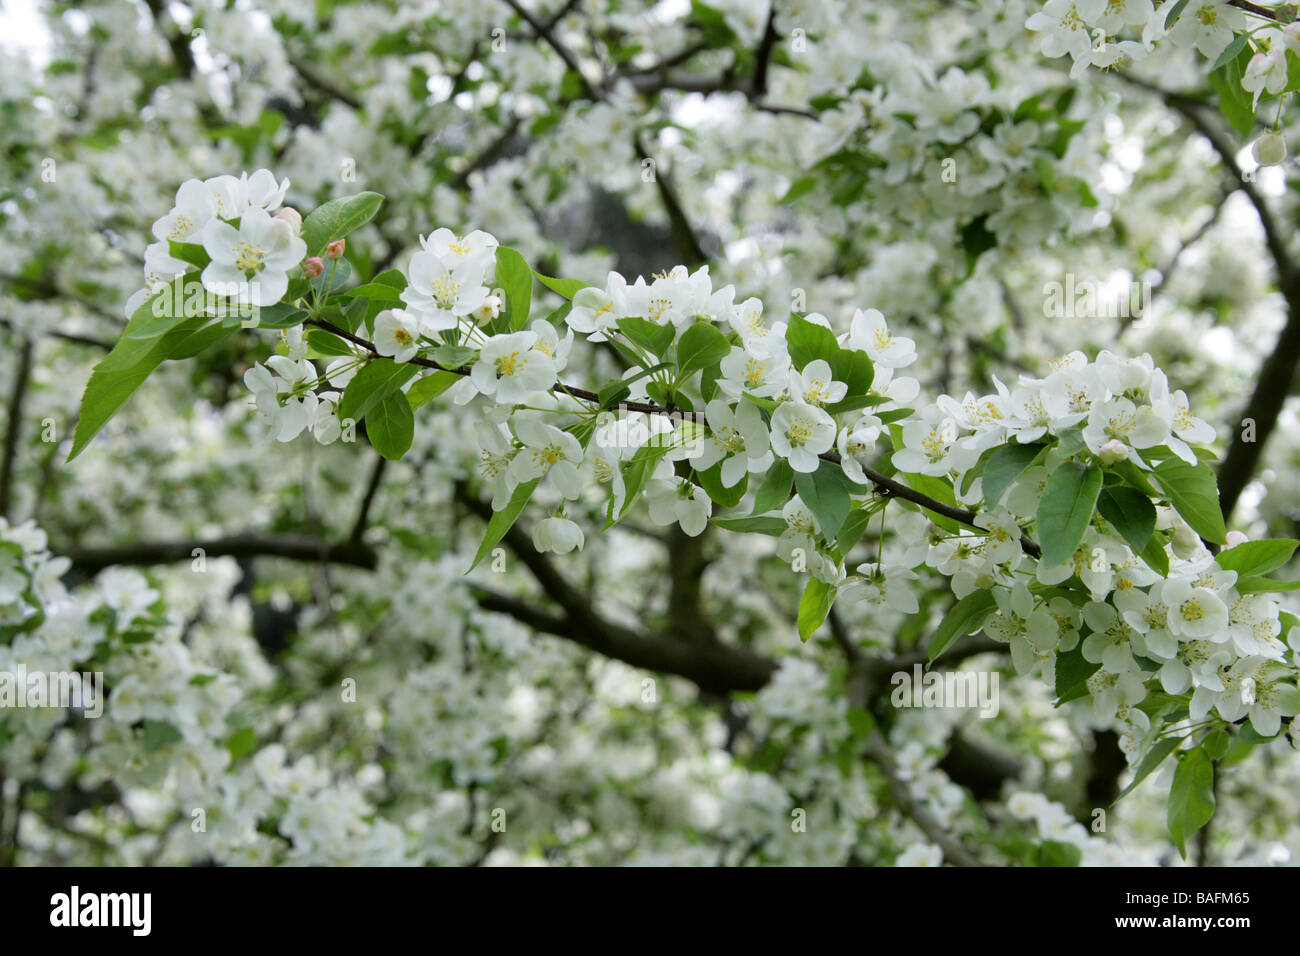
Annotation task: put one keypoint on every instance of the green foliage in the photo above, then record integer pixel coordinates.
(1065, 509)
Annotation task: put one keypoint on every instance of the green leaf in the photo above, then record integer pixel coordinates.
(1254, 585)
(1154, 758)
(430, 387)
(378, 291)
(770, 524)
(337, 218)
(1175, 12)
(966, 617)
(1230, 51)
(1056, 853)
(711, 482)
(1216, 743)
(158, 734)
(241, 743)
(826, 494)
(1194, 492)
(636, 472)
(1155, 556)
(855, 525)
(1004, 466)
(1065, 510)
(191, 252)
(502, 520)
(327, 343)
(651, 336)
(516, 280)
(1131, 513)
(1191, 798)
(371, 385)
(774, 492)
(337, 272)
(814, 605)
(282, 315)
(390, 426)
(701, 345)
(1257, 557)
(941, 490)
(565, 287)
(453, 356)
(1072, 673)
(808, 341)
(114, 380)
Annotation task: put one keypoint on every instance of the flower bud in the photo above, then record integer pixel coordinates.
(313, 266)
(1235, 538)
(1269, 149)
(292, 217)
(335, 249)
(1113, 451)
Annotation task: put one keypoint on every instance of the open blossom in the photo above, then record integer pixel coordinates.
(251, 263)
(870, 333)
(816, 385)
(677, 501)
(738, 439)
(285, 402)
(510, 367)
(443, 291)
(801, 433)
(397, 334)
(547, 451)
(762, 376)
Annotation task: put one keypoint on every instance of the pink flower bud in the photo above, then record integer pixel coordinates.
(1235, 538)
(314, 266)
(335, 249)
(292, 217)
(1113, 451)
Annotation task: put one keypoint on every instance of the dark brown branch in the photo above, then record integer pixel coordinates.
(13, 428)
(368, 499)
(293, 547)
(545, 31)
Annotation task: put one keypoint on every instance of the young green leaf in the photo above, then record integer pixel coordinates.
(966, 617)
(814, 605)
(1065, 510)
(371, 385)
(1004, 466)
(1257, 557)
(1191, 797)
(826, 494)
(774, 492)
(1131, 513)
(701, 345)
(390, 425)
(1195, 494)
(516, 280)
(502, 520)
(337, 218)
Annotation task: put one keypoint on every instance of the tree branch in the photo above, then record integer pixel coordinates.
(293, 547)
(13, 428)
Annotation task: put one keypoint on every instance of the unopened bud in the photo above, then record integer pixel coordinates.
(1113, 451)
(292, 217)
(1235, 538)
(314, 266)
(1269, 149)
(489, 310)
(335, 249)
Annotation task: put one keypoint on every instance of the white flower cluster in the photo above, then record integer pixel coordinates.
(249, 262)
(1089, 31)
(1191, 629)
